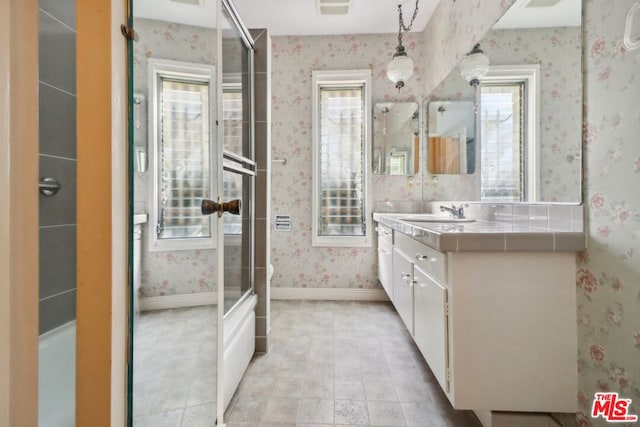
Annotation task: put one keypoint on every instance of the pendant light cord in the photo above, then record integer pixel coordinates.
(401, 26)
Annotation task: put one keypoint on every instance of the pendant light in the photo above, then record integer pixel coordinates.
(474, 66)
(400, 69)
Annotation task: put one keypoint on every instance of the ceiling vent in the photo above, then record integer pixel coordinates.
(543, 3)
(190, 2)
(333, 7)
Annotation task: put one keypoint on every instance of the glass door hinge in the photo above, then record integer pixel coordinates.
(129, 33)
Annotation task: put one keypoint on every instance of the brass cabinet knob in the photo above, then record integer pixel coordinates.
(210, 206)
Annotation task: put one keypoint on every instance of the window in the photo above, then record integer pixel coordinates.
(503, 140)
(509, 134)
(341, 142)
(182, 164)
(232, 116)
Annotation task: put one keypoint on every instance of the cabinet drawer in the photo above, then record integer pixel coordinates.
(385, 234)
(425, 258)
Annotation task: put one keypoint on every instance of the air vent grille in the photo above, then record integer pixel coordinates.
(333, 7)
(283, 222)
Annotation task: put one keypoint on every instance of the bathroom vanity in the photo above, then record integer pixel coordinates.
(490, 303)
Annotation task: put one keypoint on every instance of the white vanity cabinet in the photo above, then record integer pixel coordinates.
(385, 263)
(497, 328)
(419, 273)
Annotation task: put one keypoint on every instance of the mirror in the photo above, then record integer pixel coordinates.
(549, 167)
(174, 318)
(139, 133)
(451, 137)
(396, 138)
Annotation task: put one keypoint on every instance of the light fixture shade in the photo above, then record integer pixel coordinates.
(400, 69)
(474, 66)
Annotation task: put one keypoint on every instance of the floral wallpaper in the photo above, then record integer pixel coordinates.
(175, 272)
(452, 31)
(297, 263)
(438, 49)
(558, 51)
(608, 274)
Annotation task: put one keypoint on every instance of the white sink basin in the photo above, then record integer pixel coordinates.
(433, 218)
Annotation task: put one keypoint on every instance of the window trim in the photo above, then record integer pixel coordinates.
(202, 73)
(344, 78)
(530, 75)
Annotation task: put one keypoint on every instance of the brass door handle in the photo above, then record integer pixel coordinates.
(210, 206)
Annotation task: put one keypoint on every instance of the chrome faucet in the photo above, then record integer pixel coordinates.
(455, 211)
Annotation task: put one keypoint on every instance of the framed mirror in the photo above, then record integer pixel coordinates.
(451, 142)
(544, 163)
(396, 138)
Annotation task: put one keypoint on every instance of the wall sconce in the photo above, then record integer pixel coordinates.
(474, 66)
(400, 69)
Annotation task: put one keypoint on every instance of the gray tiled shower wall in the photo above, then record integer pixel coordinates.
(57, 127)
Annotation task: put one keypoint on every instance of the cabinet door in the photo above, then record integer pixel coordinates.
(385, 267)
(403, 288)
(430, 299)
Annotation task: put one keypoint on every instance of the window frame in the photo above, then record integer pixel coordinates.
(529, 74)
(346, 79)
(188, 72)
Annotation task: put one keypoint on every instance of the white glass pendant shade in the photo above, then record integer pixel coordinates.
(400, 69)
(474, 66)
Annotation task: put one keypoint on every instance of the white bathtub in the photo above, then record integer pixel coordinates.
(57, 377)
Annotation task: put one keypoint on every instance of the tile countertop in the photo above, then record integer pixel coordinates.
(484, 236)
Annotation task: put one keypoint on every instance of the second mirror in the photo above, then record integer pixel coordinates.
(396, 138)
(451, 145)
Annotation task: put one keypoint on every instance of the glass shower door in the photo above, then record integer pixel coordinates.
(176, 163)
(238, 164)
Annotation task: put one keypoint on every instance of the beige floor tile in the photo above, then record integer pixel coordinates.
(351, 412)
(316, 411)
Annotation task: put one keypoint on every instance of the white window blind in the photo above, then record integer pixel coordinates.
(184, 159)
(502, 148)
(232, 117)
(233, 141)
(341, 162)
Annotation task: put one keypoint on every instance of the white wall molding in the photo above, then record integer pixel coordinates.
(331, 294)
(177, 301)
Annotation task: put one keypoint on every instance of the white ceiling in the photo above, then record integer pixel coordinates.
(203, 15)
(299, 17)
(566, 13)
(294, 17)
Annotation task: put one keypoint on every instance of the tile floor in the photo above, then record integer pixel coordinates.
(338, 364)
(175, 368)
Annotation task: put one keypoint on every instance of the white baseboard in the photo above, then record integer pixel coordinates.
(177, 301)
(329, 294)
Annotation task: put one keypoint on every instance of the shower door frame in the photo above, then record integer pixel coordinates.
(225, 161)
(243, 310)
